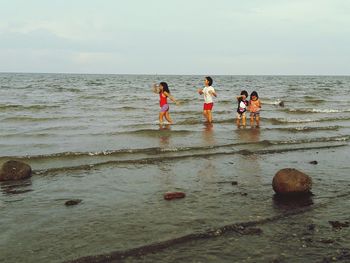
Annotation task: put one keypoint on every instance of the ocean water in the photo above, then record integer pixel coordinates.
(97, 138)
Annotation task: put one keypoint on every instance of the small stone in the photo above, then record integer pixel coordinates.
(311, 227)
(72, 202)
(339, 225)
(313, 162)
(234, 183)
(173, 195)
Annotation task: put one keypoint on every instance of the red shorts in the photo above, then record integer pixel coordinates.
(208, 106)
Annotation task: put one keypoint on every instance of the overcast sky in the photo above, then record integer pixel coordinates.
(298, 37)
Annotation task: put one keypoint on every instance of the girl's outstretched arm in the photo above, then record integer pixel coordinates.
(171, 97)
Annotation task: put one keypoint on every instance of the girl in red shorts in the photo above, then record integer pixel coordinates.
(208, 93)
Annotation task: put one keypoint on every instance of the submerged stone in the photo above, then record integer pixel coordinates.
(15, 170)
(72, 202)
(174, 195)
(338, 224)
(291, 181)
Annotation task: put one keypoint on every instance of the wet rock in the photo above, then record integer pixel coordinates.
(291, 181)
(250, 231)
(244, 194)
(339, 225)
(311, 227)
(15, 170)
(234, 183)
(72, 202)
(313, 162)
(281, 104)
(174, 195)
(327, 241)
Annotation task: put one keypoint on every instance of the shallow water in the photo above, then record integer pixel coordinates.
(96, 138)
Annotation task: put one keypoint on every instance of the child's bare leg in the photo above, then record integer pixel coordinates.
(238, 122)
(251, 121)
(205, 114)
(167, 117)
(257, 119)
(161, 115)
(243, 120)
(210, 116)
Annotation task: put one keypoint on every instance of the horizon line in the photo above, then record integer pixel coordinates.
(165, 74)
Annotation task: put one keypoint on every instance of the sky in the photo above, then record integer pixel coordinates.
(214, 37)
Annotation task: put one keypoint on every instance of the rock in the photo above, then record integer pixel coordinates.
(339, 225)
(281, 104)
(234, 183)
(72, 202)
(291, 181)
(313, 162)
(174, 195)
(311, 227)
(15, 170)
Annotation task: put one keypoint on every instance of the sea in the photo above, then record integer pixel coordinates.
(97, 139)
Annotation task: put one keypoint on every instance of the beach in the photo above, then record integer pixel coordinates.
(96, 138)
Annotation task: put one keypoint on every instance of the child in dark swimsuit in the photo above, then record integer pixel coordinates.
(242, 108)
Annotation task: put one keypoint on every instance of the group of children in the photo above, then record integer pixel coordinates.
(253, 105)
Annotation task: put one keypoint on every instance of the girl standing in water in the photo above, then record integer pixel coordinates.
(208, 93)
(164, 93)
(254, 108)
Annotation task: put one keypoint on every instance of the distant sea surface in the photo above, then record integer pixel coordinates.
(96, 138)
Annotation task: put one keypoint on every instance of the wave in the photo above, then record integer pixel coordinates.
(291, 121)
(272, 102)
(160, 131)
(94, 83)
(313, 100)
(307, 111)
(65, 89)
(140, 155)
(38, 119)
(307, 129)
(26, 107)
(156, 160)
(157, 150)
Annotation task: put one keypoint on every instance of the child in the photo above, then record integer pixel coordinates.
(254, 108)
(208, 92)
(242, 107)
(163, 90)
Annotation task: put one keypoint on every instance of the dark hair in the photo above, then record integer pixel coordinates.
(165, 86)
(245, 93)
(254, 93)
(210, 80)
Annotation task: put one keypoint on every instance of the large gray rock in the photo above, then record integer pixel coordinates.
(15, 170)
(291, 181)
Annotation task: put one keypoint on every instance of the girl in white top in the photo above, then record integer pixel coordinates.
(208, 92)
